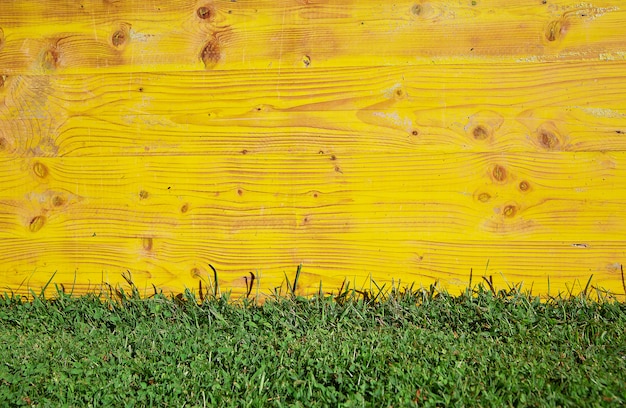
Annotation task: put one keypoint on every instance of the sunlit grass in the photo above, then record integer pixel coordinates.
(381, 347)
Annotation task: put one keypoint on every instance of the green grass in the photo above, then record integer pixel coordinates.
(406, 348)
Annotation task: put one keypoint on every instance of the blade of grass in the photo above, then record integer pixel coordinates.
(587, 286)
(490, 284)
(134, 290)
(73, 283)
(548, 296)
(251, 284)
(623, 281)
(296, 279)
(216, 286)
(289, 288)
(569, 290)
(258, 287)
(26, 279)
(380, 291)
(43, 290)
(508, 284)
(128, 277)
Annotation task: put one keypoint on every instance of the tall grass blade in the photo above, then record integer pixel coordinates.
(587, 286)
(43, 290)
(252, 277)
(216, 286)
(490, 284)
(296, 279)
(73, 284)
(623, 281)
(289, 288)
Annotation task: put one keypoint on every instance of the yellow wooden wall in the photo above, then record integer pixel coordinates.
(412, 140)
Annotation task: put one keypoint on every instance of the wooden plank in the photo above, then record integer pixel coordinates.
(388, 216)
(481, 196)
(455, 108)
(546, 267)
(96, 35)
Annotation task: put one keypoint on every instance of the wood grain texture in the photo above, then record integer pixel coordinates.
(86, 36)
(495, 108)
(412, 141)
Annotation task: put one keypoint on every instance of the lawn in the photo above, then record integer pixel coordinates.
(404, 348)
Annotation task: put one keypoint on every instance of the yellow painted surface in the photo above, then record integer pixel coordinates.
(412, 141)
